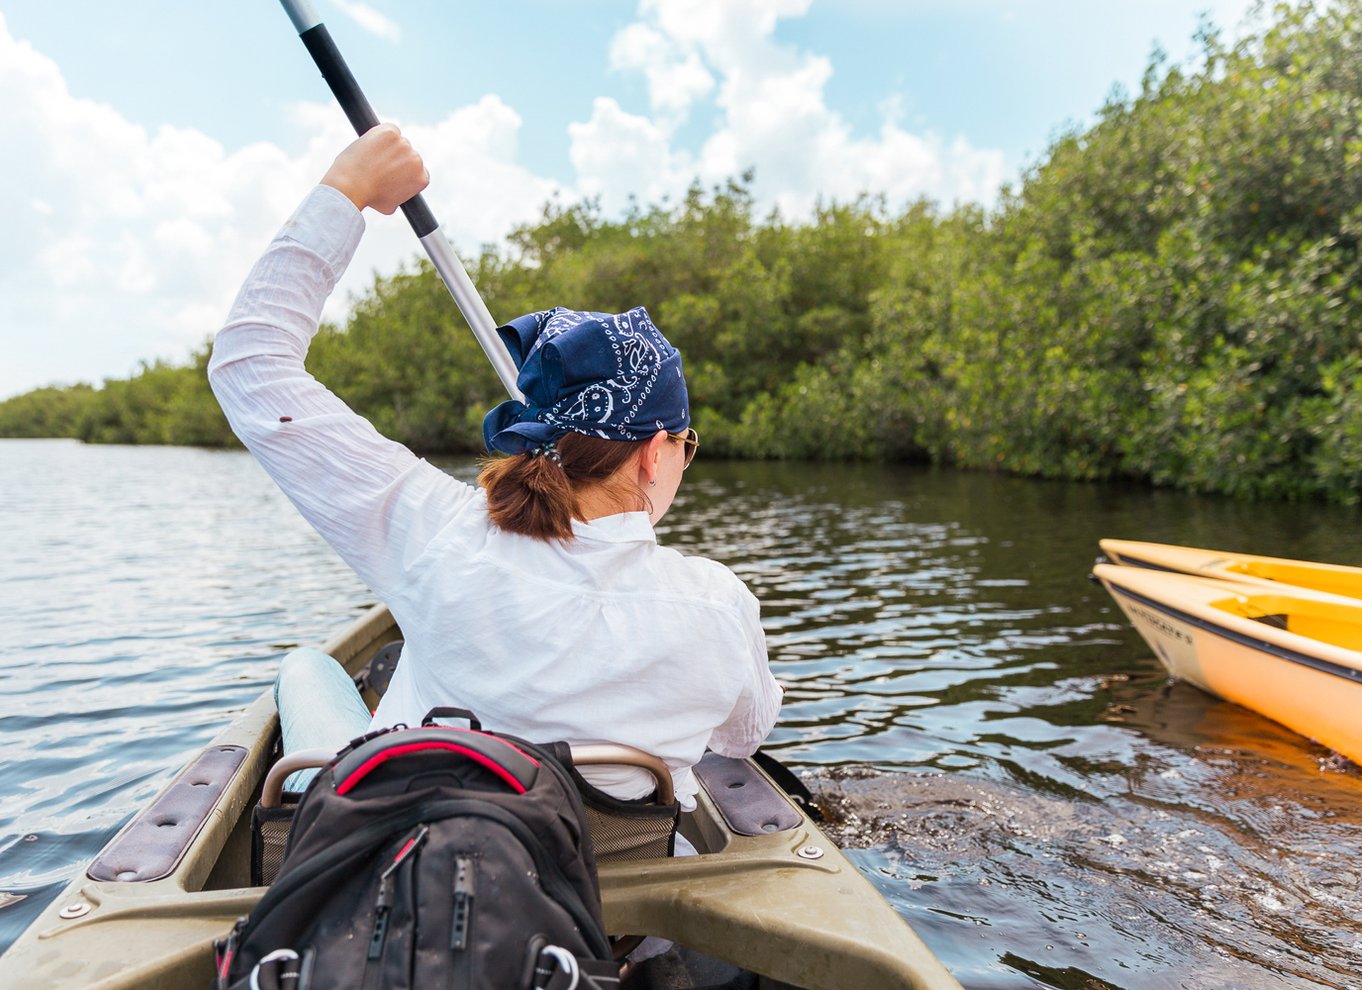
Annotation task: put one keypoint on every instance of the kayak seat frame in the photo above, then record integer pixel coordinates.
(642, 829)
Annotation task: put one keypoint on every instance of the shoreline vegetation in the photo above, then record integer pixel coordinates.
(1172, 295)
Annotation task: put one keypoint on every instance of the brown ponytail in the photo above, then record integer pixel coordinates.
(538, 497)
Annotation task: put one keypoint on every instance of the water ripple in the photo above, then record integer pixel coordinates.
(1007, 762)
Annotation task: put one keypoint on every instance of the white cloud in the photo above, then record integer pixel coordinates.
(377, 24)
(731, 31)
(127, 244)
(772, 116)
(478, 190)
(618, 154)
(676, 77)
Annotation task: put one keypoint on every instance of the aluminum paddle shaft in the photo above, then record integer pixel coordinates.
(451, 271)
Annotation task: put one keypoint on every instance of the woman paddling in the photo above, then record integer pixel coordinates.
(542, 600)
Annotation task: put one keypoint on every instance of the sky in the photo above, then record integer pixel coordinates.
(149, 149)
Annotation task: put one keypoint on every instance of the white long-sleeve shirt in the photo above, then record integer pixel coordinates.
(607, 637)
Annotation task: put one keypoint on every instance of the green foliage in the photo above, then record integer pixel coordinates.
(162, 404)
(407, 362)
(1173, 294)
(45, 412)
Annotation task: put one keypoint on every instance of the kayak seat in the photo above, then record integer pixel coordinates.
(641, 829)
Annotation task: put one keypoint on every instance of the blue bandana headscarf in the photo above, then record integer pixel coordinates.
(614, 377)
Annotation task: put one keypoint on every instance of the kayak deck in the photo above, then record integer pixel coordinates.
(1336, 579)
(784, 904)
(1326, 622)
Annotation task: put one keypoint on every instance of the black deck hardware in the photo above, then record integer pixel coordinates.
(379, 670)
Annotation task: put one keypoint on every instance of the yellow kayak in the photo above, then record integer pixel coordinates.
(1292, 654)
(1336, 579)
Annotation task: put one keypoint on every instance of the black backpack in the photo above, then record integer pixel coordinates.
(431, 857)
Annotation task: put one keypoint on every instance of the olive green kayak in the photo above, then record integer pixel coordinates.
(768, 893)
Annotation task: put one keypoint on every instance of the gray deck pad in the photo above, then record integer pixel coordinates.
(750, 804)
(151, 846)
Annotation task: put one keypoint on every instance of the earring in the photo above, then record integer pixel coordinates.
(652, 484)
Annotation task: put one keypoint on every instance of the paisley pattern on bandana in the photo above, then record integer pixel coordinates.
(609, 376)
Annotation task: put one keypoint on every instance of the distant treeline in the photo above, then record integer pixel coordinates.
(1172, 294)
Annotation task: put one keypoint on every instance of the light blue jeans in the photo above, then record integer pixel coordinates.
(319, 707)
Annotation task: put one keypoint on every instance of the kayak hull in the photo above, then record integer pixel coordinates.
(1291, 654)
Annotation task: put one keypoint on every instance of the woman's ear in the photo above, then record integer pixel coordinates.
(649, 458)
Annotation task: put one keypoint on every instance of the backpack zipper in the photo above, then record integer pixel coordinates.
(465, 882)
(355, 844)
(385, 890)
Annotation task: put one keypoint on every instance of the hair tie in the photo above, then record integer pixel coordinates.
(549, 450)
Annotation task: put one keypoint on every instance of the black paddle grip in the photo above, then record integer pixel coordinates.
(341, 80)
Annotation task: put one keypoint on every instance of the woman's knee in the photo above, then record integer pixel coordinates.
(302, 669)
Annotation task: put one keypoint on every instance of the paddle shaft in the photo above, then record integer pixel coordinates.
(317, 40)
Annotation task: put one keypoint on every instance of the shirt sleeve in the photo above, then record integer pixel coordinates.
(758, 706)
(370, 498)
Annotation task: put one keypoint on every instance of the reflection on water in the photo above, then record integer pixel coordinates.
(145, 594)
(1018, 775)
(999, 749)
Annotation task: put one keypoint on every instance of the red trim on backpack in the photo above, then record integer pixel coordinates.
(225, 964)
(382, 757)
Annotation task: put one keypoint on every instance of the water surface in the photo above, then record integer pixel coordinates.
(1000, 752)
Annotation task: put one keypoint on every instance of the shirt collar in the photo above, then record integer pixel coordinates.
(623, 527)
